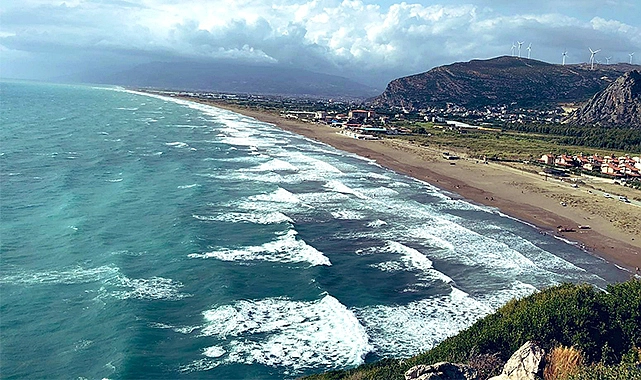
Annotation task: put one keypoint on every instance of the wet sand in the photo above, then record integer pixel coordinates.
(615, 226)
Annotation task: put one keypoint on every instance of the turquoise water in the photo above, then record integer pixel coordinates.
(146, 237)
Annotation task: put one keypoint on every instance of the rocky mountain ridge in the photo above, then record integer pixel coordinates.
(618, 105)
(500, 81)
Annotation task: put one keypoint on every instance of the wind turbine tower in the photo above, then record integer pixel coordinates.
(520, 43)
(529, 49)
(631, 55)
(592, 53)
(565, 53)
(513, 47)
(607, 60)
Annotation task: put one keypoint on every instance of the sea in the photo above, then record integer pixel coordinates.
(150, 237)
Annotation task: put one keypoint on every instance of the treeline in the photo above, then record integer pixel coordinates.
(617, 138)
(605, 327)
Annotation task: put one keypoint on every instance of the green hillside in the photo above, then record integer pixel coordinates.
(605, 327)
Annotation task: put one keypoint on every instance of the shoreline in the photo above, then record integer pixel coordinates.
(520, 195)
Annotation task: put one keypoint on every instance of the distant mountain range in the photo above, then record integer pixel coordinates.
(500, 81)
(618, 105)
(234, 78)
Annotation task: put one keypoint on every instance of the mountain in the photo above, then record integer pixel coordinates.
(233, 78)
(500, 81)
(618, 105)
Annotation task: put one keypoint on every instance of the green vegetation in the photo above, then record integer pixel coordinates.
(625, 139)
(604, 326)
(521, 145)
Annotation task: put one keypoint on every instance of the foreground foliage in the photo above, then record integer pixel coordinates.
(604, 326)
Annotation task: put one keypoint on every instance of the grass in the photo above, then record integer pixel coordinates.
(501, 145)
(562, 362)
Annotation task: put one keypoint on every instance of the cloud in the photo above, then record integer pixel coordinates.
(373, 42)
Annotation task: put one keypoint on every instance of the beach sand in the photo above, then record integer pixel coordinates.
(615, 226)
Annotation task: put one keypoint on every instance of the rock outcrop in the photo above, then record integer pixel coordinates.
(441, 371)
(500, 81)
(525, 364)
(618, 105)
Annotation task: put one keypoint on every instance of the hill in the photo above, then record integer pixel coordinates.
(500, 81)
(233, 78)
(602, 326)
(618, 105)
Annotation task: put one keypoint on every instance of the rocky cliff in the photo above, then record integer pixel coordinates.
(618, 105)
(498, 81)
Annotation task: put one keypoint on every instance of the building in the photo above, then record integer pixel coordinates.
(362, 114)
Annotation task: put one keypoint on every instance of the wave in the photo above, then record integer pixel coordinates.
(280, 195)
(285, 249)
(403, 331)
(339, 187)
(113, 283)
(279, 332)
(239, 217)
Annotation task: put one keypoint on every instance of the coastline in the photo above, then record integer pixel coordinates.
(614, 234)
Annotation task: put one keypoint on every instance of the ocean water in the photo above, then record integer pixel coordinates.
(148, 237)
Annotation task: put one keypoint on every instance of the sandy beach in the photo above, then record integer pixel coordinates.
(614, 232)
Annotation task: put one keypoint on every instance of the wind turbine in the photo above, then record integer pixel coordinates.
(631, 55)
(529, 49)
(565, 53)
(513, 47)
(592, 53)
(607, 60)
(520, 43)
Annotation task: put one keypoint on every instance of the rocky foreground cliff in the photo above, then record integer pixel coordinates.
(618, 105)
(500, 81)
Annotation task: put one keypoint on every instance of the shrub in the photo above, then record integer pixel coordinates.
(562, 362)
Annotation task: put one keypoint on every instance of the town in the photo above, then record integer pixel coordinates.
(370, 124)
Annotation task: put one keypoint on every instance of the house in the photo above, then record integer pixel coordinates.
(565, 160)
(547, 159)
(611, 169)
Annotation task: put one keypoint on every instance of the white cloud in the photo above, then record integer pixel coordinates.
(349, 37)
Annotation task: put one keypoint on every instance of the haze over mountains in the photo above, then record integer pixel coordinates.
(500, 81)
(233, 78)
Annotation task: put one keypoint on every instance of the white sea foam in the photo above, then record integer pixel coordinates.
(214, 352)
(339, 187)
(347, 214)
(177, 144)
(155, 288)
(413, 260)
(399, 184)
(285, 333)
(379, 192)
(285, 249)
(279, 195)
(377, 223)
(430, 321)
(516, 289)
(258, 218)
(487, 252)
(275, 165)
(77, 275)
(188, 186)
(115, 284)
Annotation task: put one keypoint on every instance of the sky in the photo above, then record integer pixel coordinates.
(372, 41)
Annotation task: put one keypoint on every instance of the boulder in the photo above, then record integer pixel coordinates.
(441, 371)
(525, 364)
